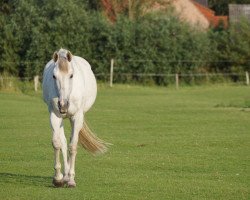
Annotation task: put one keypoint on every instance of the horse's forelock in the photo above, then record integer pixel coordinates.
(63, 53)
(63, 64)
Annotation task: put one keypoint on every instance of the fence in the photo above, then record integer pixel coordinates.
(113, 77)
(177, 78)
(11, 82)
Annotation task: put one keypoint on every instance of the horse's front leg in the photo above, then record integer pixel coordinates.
(56, 125)
(65, 157)
(76, 123)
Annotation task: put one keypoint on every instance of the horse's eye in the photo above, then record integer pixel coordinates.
(71, 76)
(54, 77)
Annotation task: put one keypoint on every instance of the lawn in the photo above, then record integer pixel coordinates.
(193, 143)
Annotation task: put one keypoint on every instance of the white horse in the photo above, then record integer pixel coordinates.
(69, 90)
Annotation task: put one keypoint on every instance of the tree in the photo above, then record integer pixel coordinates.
(8, 43)
(220, 51)
(6, 6)
(240, 46)
(9, 51)
(231, 48)
(44, 26)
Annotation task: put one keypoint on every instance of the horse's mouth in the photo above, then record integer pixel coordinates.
(63, 112)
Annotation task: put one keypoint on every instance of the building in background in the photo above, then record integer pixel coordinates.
(238, 11)
(188, 11)
(194, 12)
(214, 20)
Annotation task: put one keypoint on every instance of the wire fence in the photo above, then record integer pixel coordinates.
(113, 78)
(181, 78)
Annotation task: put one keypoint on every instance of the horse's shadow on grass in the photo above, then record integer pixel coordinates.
(44, 181)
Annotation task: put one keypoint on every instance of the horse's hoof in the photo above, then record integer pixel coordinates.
(58, 183)
(71, 184)
(65, 179)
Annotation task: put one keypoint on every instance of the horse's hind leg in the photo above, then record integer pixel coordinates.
(56, 124)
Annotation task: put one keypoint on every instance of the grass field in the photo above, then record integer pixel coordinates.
(193, 143)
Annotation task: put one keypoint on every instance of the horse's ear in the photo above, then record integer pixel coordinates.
(69, 56)
(55, 56)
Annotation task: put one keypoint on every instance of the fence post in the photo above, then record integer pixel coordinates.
(10, 82)
(207, 78)
(247, 78)
(111, 72)
(36, 82)
(1, 81)
(177, 81)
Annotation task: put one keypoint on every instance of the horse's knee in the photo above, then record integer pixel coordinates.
(73, 149)
(57, 166)
(56, 143)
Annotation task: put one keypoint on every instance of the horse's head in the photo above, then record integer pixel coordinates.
(63, 76)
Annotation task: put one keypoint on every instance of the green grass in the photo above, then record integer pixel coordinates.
(193, 143)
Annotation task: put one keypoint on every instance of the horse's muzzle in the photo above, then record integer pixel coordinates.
(63, 106)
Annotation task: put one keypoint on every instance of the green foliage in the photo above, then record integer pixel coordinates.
(101, 43)
(231, 48)
(9, 50)
(240, 45)
(220, 51)
(9, 58)
(56, 24)
(158, 44)
(31, 31)
(91, 4)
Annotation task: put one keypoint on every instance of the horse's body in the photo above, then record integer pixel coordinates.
(69, 90)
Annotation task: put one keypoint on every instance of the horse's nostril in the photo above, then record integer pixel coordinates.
(63, 105)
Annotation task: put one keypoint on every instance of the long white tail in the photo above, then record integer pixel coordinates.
(91, 142)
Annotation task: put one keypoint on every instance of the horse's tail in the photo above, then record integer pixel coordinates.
(91, 142)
